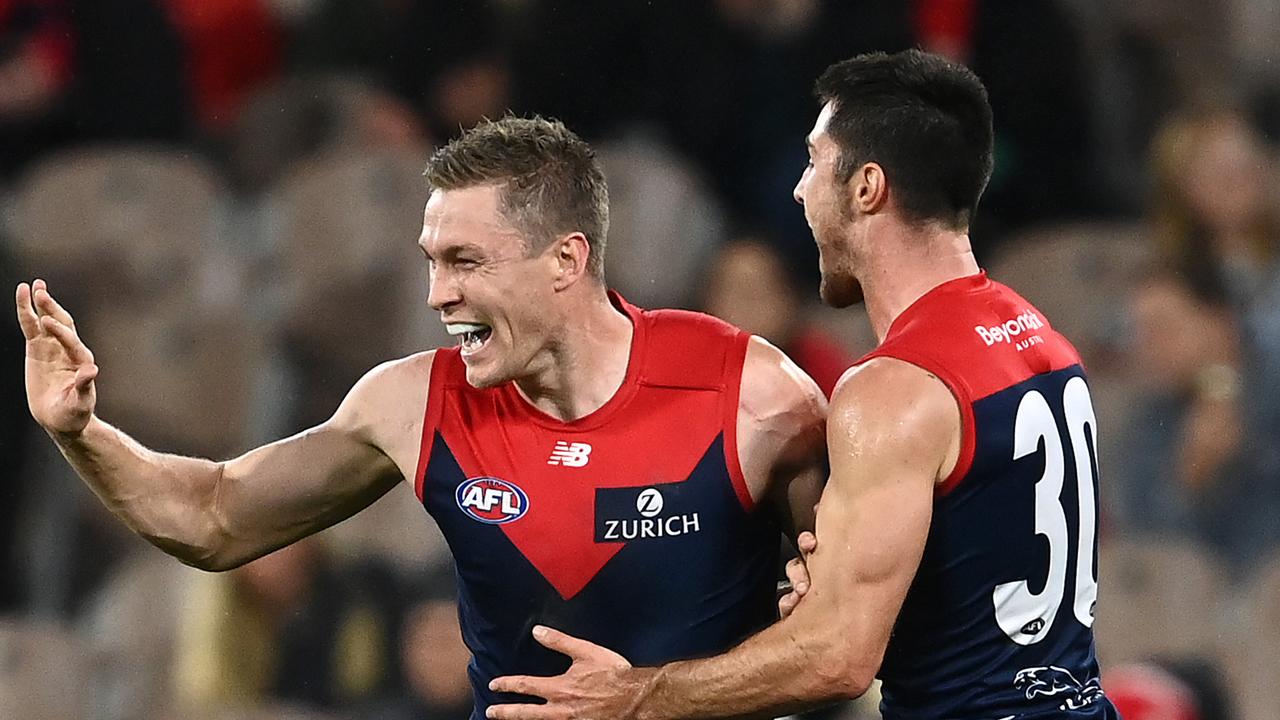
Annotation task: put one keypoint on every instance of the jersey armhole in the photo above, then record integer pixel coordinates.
(968, 439)
(735, 361)
(431, 416)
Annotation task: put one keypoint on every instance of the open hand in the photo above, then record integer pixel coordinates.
(599, 685)
(60, 369)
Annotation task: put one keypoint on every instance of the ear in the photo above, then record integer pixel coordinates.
(571, 254)
(868, 189)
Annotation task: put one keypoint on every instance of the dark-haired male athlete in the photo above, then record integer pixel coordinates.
(957, 533)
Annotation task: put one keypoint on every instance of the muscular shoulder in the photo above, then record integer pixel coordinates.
(775, 392)
(781, 414)
(389, 400)
(892, 409)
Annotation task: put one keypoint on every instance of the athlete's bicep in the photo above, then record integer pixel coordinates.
(781, 431)
(889, 431)
(281, 492)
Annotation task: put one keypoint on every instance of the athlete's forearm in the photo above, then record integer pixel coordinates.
(789, 667)
(168, 499)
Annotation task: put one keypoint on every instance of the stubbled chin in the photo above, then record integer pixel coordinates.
(840, 292)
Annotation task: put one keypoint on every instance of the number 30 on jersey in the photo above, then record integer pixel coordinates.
(1024, 616)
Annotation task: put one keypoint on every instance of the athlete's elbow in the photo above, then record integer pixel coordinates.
(842, 681)
(853, 685)
(842, 673)
(197, 556)
(197, 533)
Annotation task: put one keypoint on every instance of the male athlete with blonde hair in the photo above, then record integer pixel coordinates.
(617, 472)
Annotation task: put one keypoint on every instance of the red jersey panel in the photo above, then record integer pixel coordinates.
(631, 527)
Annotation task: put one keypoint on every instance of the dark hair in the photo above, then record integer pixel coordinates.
(923, 119)
(551, 182)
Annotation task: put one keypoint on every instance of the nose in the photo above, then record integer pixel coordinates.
(442, 291)
(798, 191)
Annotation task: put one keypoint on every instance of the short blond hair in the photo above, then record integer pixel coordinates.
(551, 182)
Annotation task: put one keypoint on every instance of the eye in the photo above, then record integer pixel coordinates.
(467, 263)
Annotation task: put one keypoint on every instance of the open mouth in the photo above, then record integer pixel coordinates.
(472, 336)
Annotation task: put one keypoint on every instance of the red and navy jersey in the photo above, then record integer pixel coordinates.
(998, 621)
(631, 527)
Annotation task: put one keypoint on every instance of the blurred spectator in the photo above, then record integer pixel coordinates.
(1212, 199)
(1186, 470)
(37, 56)
(1214, 204)
(232, 47)
(433, 657)
(750, 286)
(303, 118)
(85, 70)
(289, 627)
(663, 221)
(130, 625)
(159, 304)
(130, 79)
(346, 227)
(732, 81)
(446, 59)
(1043, 161)
(1145, 692)
(591, 69)
(1168, 690)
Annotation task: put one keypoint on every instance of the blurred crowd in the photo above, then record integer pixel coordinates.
(226, 193)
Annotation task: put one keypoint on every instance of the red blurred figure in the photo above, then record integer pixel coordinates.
(1145, 692)
(233, 47)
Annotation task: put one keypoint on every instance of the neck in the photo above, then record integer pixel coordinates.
(907, 263)
(587, 363)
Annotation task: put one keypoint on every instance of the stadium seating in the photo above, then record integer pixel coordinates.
(344, 239)
(352, 289)
(1079, 276)
(1254, 658)
(142, 212)
(129, 241)
(41, 671)
(663, 222)
(1159, 598)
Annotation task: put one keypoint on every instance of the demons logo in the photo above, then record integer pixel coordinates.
(492, 501)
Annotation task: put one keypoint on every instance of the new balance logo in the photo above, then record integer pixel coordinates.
(569, 454)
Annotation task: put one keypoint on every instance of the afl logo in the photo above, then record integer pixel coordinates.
(492, 501)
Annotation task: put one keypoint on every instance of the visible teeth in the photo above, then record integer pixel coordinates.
(460, 328)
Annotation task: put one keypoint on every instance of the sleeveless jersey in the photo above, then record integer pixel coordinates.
(998, 621)
(631, 527)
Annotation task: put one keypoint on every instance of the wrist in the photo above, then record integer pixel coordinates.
(71, 436)
(649, 680)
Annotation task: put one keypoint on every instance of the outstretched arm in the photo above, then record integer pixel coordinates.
(212, 515)
(893, 432)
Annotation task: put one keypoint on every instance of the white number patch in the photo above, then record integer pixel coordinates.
(1024, 616)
